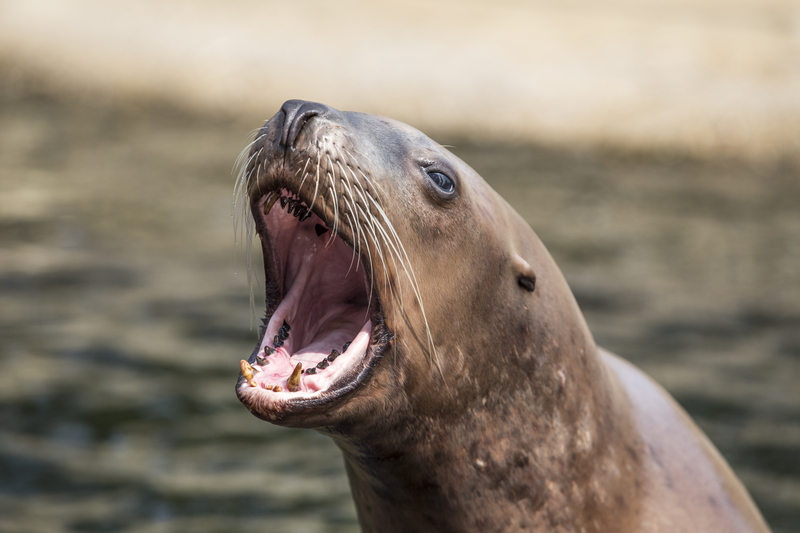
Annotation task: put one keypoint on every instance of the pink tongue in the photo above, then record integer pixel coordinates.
(281, 365)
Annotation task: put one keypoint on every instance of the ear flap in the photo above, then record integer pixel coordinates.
(526, 277)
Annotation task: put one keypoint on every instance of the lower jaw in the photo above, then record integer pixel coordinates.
(322, 408)
(276, 374)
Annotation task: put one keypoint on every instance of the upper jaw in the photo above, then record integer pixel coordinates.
(321, 287)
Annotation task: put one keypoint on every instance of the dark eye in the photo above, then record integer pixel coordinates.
(442, 181)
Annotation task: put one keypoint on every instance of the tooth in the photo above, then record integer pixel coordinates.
(294, 380)
(268, 351)
(268, 387)
(320, 229)
(278, 388)
(248, 372)
(277, 342)
(311, 370)
(333, 355)
(305, 216)
(346, 346)
(262, 360)
(283, 332)
(284, 199)
(322, 365)
(273, 197)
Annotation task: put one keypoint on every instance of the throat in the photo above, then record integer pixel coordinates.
(498, 468)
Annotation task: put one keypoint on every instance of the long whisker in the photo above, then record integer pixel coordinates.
(331, 173)
(375, 240)
(246, 149)
(409, 271)
(370, 219)
(376, 247)
(353, 227)
(305, 174)
(316, 186)
(358, 232)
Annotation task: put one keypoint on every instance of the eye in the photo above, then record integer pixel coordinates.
(442, 181)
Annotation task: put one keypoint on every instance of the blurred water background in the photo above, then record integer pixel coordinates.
(654, 146)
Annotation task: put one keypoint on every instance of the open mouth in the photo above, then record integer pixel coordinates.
(326, 328)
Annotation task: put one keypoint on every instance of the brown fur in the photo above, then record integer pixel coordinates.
(514, 420)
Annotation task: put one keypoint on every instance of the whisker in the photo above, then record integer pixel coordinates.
(411, 276)
(353, 227)
(331, 175)
(305, 174)
(246, 149)
(371, 228)
(370, 219)
(316, 185)
(352, 257)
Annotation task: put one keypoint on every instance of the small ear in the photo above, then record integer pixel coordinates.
(526, 277)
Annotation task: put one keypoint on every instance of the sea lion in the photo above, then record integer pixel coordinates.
(413, 316)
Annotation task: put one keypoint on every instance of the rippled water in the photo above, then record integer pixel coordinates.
(124, 313)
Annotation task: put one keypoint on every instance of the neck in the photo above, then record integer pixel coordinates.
(546, 455)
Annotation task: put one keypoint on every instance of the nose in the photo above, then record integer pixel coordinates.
(296, 114)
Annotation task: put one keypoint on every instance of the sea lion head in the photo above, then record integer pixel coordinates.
(398, 283)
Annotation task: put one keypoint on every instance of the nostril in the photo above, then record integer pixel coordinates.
(297, 113)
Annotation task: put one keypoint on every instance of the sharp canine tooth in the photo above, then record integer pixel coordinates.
(248, 372)
(294, 380)
(273, 197)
